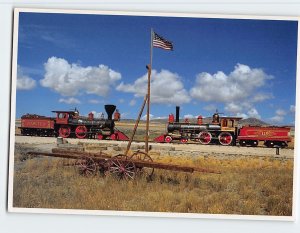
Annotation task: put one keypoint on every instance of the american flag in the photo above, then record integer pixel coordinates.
(160, 42)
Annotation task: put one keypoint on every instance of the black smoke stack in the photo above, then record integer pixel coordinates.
(109, 108)
(177, 114)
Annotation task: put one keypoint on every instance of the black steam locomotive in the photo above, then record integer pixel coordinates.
(70, 124)
(221, 129)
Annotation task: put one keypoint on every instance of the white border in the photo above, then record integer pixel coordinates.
(138, 213)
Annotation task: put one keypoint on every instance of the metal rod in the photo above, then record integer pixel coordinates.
(136, 125)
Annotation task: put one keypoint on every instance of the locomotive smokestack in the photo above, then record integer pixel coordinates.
(109, 108)
(177, 114)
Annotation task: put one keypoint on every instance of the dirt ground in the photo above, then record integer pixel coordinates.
(260, 184)
(44, 142)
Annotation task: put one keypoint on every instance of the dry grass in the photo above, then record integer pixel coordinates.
(246, 186)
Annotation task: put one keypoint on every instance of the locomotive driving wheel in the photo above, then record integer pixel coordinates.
(144, 157)
(225, 138)
(86, 166)
(81, 131)
(204, 137)
(183, 140)
(122, 167)
(64, 131)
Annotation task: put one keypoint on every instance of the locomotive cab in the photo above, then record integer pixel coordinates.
(62, 117)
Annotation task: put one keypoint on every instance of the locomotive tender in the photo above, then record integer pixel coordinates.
(225, 131)
(70, 124)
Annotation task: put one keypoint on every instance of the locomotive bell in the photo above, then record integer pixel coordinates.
(109, 108)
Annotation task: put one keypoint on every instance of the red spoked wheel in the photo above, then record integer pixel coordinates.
(225, 138)
(204, 137)
(142, 156)
(168, 139)
(81, 131)
(64, 131)
(100, 136)
(183, 140)
(122, 167)
(114, 136)
(86, 166)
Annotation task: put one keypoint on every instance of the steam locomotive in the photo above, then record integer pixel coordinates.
(225, 131)
(70, 124)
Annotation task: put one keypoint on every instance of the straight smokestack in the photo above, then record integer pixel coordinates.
(177, 114)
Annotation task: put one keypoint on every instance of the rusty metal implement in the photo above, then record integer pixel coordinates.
(121, 166)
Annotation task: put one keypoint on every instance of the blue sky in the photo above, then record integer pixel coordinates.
(241, 67)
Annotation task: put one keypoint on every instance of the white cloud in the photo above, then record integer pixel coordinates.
(238, 90)
(70, 100)
(73, 79)
(240, 84)
(132, 102)
(166, 88)
(252, 112)
(279, 116)
(152, 117)
(233, 108)
(121, 101)
(125, 115)
(292, 108)
(94, 101)
(145, 117)
(161, 117)
(243, 115)
(280, 112)
(210, 107)
(24, 82)
(259, 97)
(244, 110)
(276, 119)
(189, 116)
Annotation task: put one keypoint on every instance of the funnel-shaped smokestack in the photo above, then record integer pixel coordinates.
(109, 108)
(177, 114)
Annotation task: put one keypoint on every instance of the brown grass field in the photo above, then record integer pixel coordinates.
(246, 186)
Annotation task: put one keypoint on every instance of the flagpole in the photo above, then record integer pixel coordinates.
(149, 67)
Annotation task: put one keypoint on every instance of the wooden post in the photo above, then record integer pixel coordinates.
(136, 125)
(149, 67)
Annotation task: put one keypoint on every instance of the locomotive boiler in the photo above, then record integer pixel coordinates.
(70, 124)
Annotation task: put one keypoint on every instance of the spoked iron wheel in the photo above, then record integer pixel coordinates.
(225, 138)
(122, 167)
(86, 166)
(168, 139)
(183, 140)
(64, 131)
(144, 157)
(204, 137)
(81, 131)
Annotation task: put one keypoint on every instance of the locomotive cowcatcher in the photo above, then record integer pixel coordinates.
(70, 124)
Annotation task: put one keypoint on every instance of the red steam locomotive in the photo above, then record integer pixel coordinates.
(225, 131)
(70, 124)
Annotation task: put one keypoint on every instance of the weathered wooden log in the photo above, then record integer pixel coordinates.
(80, 153)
